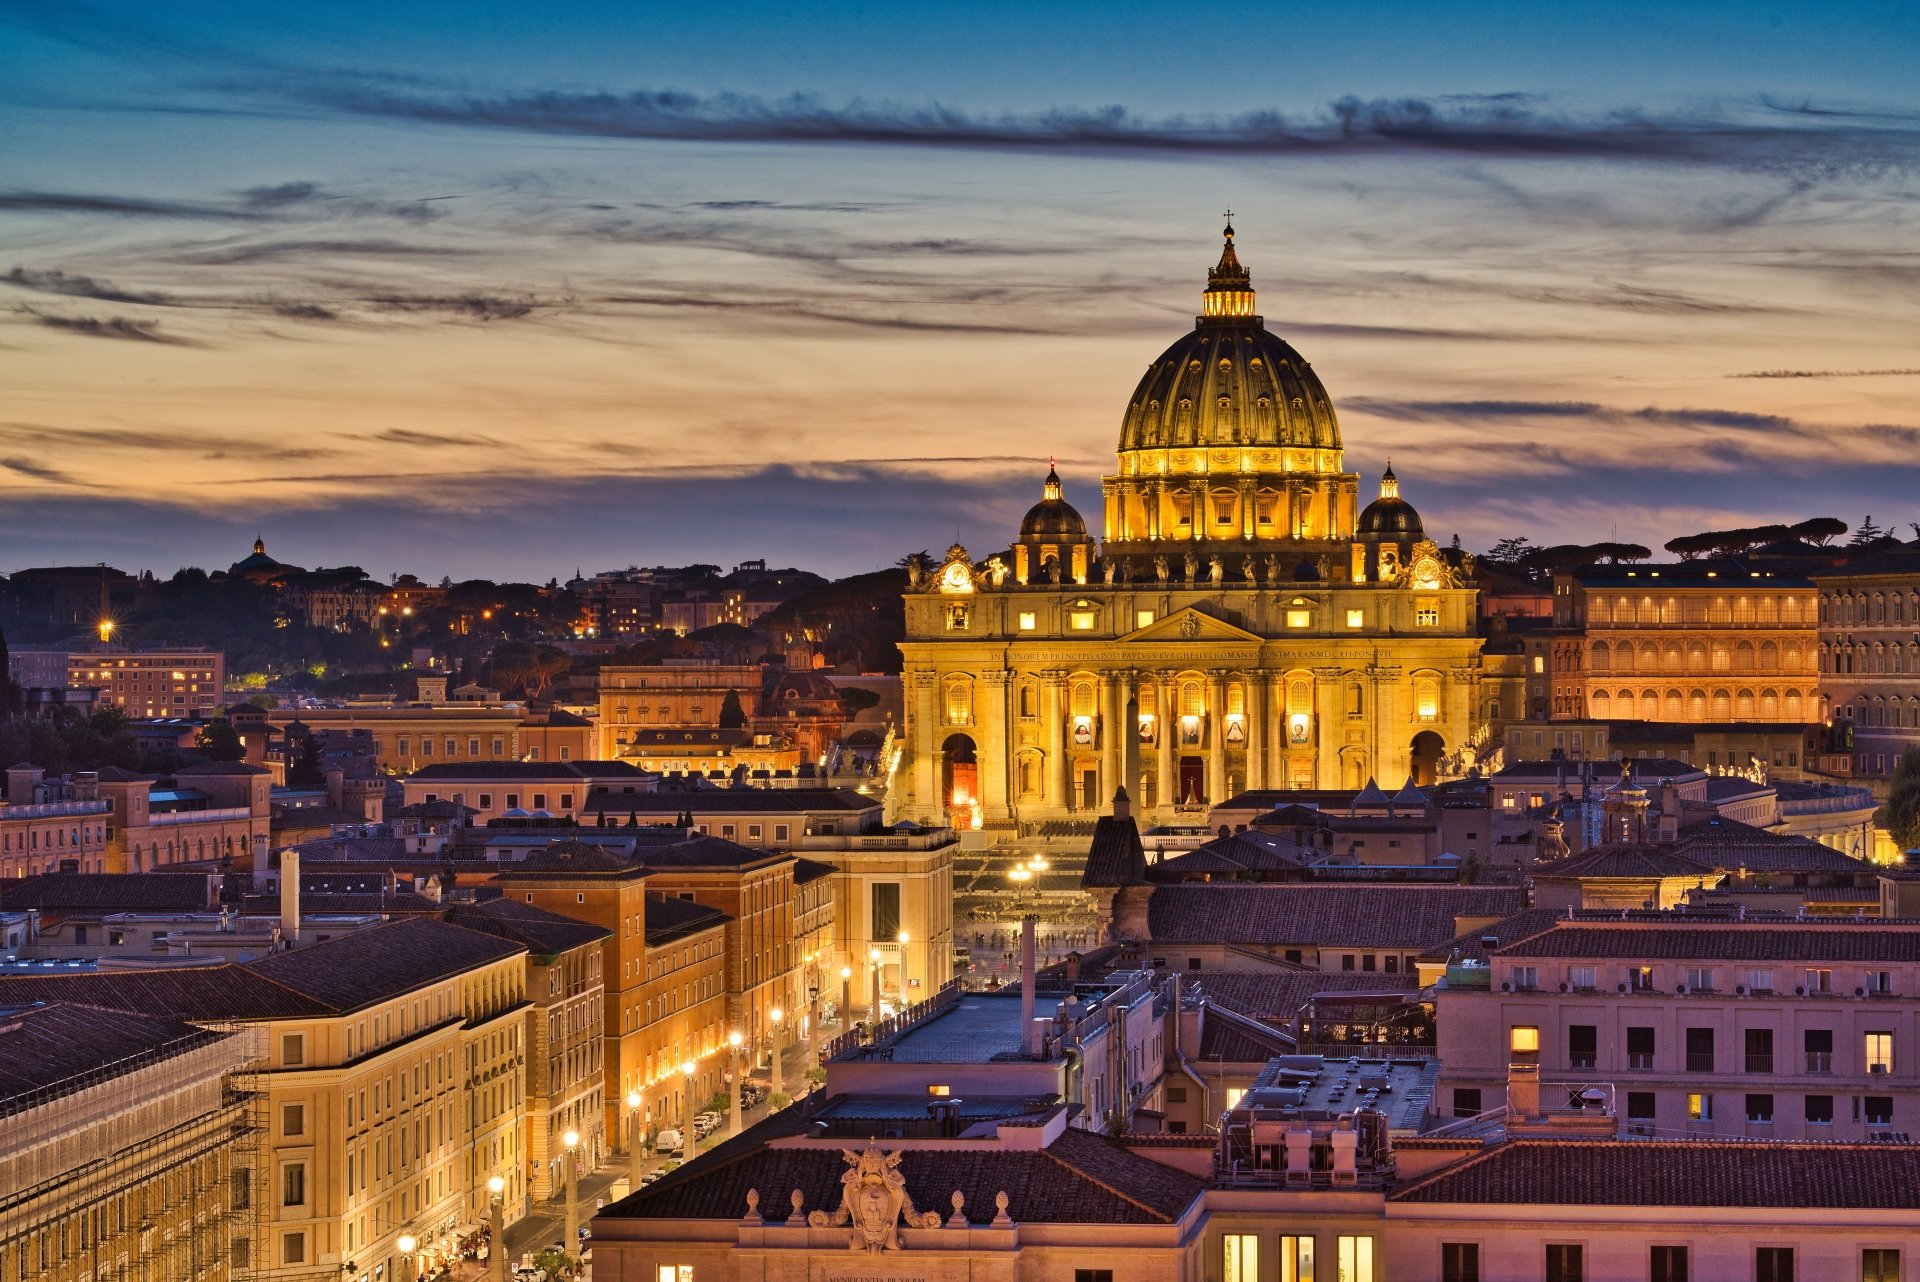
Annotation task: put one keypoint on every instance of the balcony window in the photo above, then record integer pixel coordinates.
(1759, 1050)
(1760, 1109)
(1640, 979)
(1879, 1053)
(1582, 979)
(1699, 980)
(1526, 979)
(1759, 981)
(1296, 1258)
(1240, 1258)
(1583, 1042)
(1699, 1050)
(1819, 1110)
(1640, 1043)
(1819, 981)
(1819, 1044)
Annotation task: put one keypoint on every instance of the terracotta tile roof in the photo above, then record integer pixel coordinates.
(1276, 997)
(225, 991)
(1730, 845)
(570, 859)
(1511, 930)
(379, 962)
(47, 1050)
(1226, 1037)
(1623, 860)
(1359, 916)
(1680, 1173)
(544, 933)
(1080, 1178)
(670, 917)
(219, 768)
(533, 771)
(107, 892)
(1116, 857)
(709, 852)
(1241, 852)
(1688, 939)
(729, 800)
(806, 871)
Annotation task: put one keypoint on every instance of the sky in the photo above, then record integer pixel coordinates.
(507, 290)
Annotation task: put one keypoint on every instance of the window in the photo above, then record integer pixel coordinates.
(1356, 618)
(1819, 981)
(1526, 978)
(1566, 1262)
(1356, 1259)
(1760, 1109)
(675, 1273)
(1426, 616)
(1879, 1110)
(293, 1184)
(1879, 1264)
(1641, 979)
(1699, 980)
(1459, 1262)
(886, 910)
(1299, 618)
(1879, 1052)
(780, 832)
(1028, 621)
(1241, 1259)
(486, 801)
(1773, 1264)
(1296, 1258)
(293, 1119)
(1093, 1275)
(1819, 1050)
(293, 1049)
(1699, 1050)
(1667, 1264)
(293, 1248)
(1759, 1050)
(1640, 1048)
(1081, 620)
(1819, 1110)
(1640, 1106)
(1583, 1045)
(1466, 1101)
(1759, 981)
(1699, 1108)
(1581, 979)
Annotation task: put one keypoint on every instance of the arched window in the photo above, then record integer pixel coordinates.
(1743, 705)
(1696, 705)
(1769, 704)
(1603, 655)
(960, 702)
(1649, 705)
(1722, 705)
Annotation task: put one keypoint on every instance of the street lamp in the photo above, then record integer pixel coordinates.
(873, 962)
(497, 1219)
(687, 1070)
(846, 995)
(905, 986)
(572, 1140)
(404, 1265)
(635, 1149)
(734, 1040)
(776, 1015)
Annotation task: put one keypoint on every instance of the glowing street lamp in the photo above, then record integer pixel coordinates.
(572, 1140)
(776, 1015)
(846, 994)
(404, 1266)
(687, 1070)
(735, 1040)
(497, 1222)
(635, 1149)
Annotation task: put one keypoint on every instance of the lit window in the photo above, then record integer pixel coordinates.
(674, 1273)
(1028, 621)
(1142, 618)
(1699, 1108)
(1299, 618)
(1241, 1258)
(1426, 616)
(1539, 663)
(1296, 1258)
(1879, 1052)
(1356, 618)
(1356, 1259)
(1081, 620)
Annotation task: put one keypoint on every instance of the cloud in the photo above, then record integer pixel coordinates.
(1480, 411)
(47, 202)
(407, 436)
(155, 439)
(482, 307)
(120, 327)
(1826, 373)
(1763, 136)
(276, 251)
(40, 472)
(75, 286)
(307, 196)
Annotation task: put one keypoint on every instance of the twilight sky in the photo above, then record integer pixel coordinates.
(507, 289)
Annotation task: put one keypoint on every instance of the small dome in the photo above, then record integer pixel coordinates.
(1390, 515)
(1053, 517)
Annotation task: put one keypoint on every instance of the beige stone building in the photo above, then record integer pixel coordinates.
(152, 683)
(1243, 626)
(121, 1140)
(1870, 658)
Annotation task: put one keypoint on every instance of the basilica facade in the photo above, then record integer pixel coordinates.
(1242, 624)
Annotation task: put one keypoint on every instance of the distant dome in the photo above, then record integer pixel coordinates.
(1390, 516)
(1053, 517)
(1229, 381)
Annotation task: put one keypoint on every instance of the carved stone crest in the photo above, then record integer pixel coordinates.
(873, 1201)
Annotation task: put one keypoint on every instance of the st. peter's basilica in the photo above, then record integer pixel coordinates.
(1243, 623)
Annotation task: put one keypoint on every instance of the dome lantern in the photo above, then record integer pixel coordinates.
(1053, 543)
(1229, 290)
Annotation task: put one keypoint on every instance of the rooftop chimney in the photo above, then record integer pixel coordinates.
(290, 896)
(1029, 1031)
(1523, 1073)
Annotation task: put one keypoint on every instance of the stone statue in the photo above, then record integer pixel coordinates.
(1326, 567)
(1052, 569)
(997, 571)
(1249, 570)
(1108, 571)
(873, 1200)
(1160, 569)
(1216, 572)
(1193, 568)
(1272, 574)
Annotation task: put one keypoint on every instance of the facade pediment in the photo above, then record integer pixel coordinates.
(1188, 626)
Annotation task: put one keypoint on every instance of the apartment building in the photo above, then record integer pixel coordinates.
(211, 810)
(1776, 1029)
(120, 1136)
(566, 1001)
(409, 737)
(1870, 657)
(184, 682)
(389, 1089)
(501, 789)
(663, 971)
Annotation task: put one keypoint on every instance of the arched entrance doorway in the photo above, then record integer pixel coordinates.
(960, 781)
(1424, 758)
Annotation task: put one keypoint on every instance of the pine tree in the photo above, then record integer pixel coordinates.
(1867, 533)
(1902, 811)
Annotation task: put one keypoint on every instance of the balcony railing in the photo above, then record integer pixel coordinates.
(1642, 1060)
(1759, 1063)
(1585, 1059)
(1699, 1062)
(1819, 1061)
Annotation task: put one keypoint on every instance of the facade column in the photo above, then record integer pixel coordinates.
(1198, 490)
(1247, 507)
(1257, 719)
(1053, 778)
(1112, 698)
(994, 753)
(1388, 747)
(1329, 726)
(1156, 500)
(926, 762)
(1216, 736)
(1163, 796)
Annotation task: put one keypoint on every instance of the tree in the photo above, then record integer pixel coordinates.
(732, 715)
(219, 741)
(1509, 551)
(1866, 532)
(1902, 811)
(9, 688)
(1819, 530)
(857, 699)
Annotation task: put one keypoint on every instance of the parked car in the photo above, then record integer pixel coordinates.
(666, 1140)
(651, 1176)
(751, 1093)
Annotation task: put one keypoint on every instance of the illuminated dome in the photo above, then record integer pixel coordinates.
(1231, 382)
(1390, 515)
(1052, 517)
